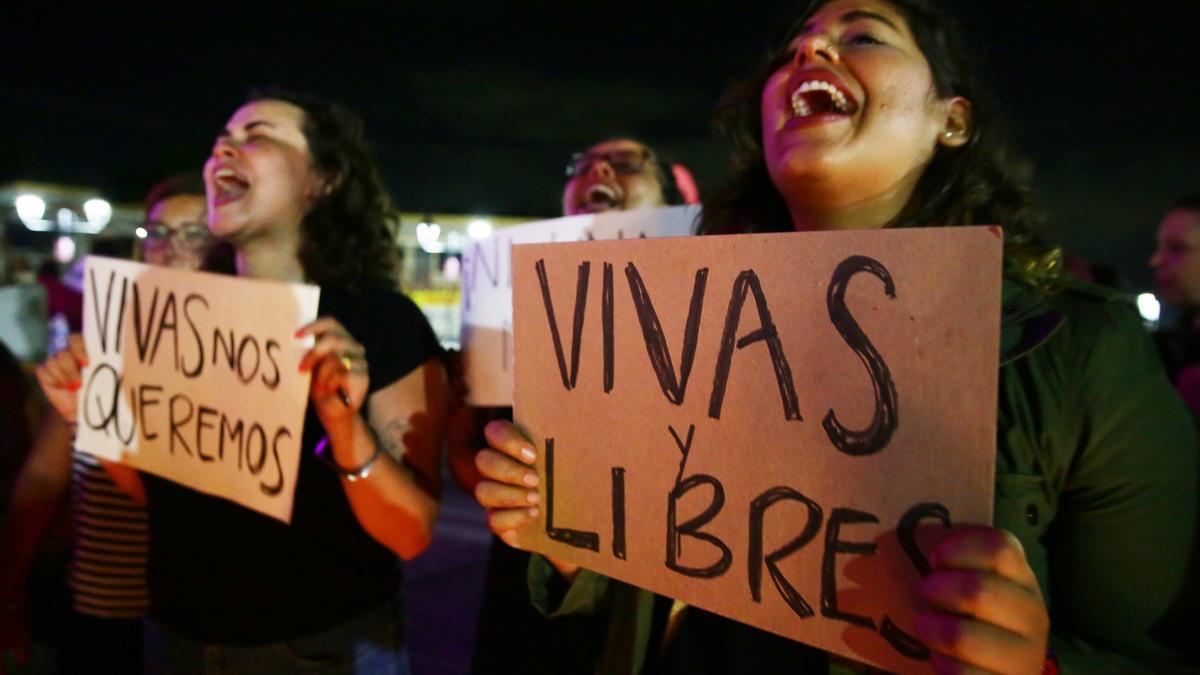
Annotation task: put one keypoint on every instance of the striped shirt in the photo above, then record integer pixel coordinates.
(108, 565)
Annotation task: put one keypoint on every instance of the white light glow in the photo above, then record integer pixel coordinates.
(98, 212)
(30, 208)
(1149, 307)
(64, 249)
(479, 229)
(427, 237)
(454, 241)
(140, 232)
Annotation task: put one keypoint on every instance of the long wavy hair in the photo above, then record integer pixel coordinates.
(347, 237)
(982, 182)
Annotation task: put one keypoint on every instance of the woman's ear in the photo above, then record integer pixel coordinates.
(959, 124)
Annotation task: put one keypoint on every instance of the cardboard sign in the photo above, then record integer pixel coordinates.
(487, 285)
(194, 377)
(771, 427)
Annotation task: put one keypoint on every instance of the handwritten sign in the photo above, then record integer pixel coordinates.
(487, 285)
(772, 427)
(194, 377)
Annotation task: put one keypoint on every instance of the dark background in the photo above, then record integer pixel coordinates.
(473, 107)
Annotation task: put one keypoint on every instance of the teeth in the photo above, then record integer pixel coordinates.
(800, 107)
(225, 173)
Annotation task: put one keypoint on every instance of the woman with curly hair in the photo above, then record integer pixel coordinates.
(867, 116)
(292, 189)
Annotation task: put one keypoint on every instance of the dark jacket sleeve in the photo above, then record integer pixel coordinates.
(1120, 548)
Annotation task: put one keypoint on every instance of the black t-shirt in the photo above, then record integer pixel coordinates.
(222, 573)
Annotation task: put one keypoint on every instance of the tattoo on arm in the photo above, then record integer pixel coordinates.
(391, 438)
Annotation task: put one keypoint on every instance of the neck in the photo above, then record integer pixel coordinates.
(821, 209)
(271, 257)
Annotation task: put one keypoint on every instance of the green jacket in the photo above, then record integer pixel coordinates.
(1096, 474)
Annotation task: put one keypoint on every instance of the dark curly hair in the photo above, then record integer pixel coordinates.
(981, 182)
(347, 236)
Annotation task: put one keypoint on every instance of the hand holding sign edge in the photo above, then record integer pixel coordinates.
(60, 377)
(988, 608)
(339, 373)
(508, 474)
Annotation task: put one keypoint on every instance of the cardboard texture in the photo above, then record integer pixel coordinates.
(744, 422)
(487, 285)
(194, 377)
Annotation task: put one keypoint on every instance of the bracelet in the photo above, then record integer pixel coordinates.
(351, 475)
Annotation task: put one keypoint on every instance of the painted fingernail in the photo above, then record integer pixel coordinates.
(74, 386)
(533, 497)
(530, 478)
(299, 333)
(83, 363)
(534, 512)
(528, 454)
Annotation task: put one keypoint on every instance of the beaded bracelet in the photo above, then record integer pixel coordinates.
(351, 475)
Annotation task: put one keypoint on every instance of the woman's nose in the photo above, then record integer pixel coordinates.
(817, 47)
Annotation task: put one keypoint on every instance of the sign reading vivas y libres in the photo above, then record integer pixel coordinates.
(772, 427)
(194, 377)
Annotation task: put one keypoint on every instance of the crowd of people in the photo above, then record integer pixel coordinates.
(867, 114)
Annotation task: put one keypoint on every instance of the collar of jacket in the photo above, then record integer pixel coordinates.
(1027, 319)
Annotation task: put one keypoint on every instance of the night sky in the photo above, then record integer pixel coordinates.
(473, 108)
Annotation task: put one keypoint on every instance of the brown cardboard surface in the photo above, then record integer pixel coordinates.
(763, 479)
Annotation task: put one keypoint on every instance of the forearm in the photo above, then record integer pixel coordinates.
(389, 503)
(38, 494)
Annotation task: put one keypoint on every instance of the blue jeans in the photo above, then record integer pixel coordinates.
(369, 644)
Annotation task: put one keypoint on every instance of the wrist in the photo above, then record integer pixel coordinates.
(354, 470)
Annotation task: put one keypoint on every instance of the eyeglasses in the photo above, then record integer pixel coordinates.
(189, 235)
(625, 162)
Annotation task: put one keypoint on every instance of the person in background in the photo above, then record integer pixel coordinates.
(617, 174)
(1095, 502)
(1176, 267)
(292, 189)
(107, 569)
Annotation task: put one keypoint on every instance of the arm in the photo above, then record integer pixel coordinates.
(396, 503)
(1129, 500)
(38, 494)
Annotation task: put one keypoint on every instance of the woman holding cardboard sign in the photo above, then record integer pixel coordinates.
(292, 189)
(866, 116)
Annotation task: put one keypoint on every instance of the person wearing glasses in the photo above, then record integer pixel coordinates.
(617, 174)
(107, 569)
(175, 234)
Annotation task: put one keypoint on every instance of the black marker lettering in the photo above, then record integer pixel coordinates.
(606, 323)
(691, 528)
(201, 425)
(235, 435)
(581, 286)
(145, 401)
(241, 361)
(618, 509)
(812, 525)
(656, 343)
(834, 546)
(187, 316)
(884, 421)
(747, 281)
(177, 422)
(167, 324)
(256, 430)
(576, 538)
(273, 381)
(273, 490)
(142, 329)
(906, 532)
